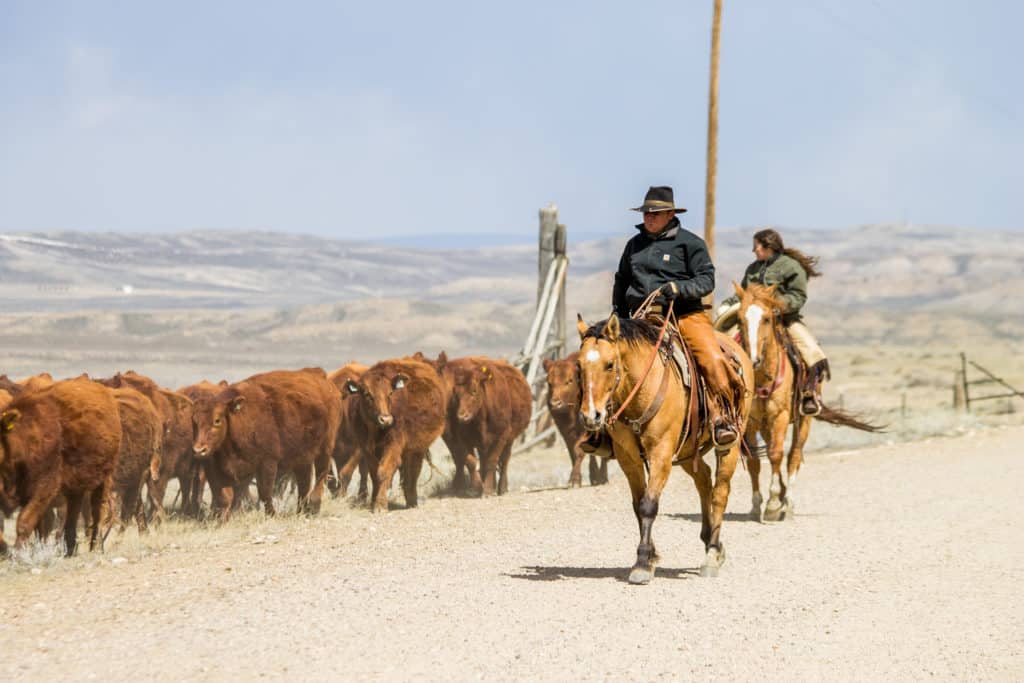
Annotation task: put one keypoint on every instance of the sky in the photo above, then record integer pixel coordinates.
(361, 120)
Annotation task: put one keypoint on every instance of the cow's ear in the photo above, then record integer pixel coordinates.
(581, 327)
(399, 381)
(351, 387)
(485, 373)
(223, 383)
(739, 290)
(547, 364)
(236, 404)
(611, 328)
(418, 356)
(9, 418)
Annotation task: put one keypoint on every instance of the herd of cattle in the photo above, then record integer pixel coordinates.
(89, 447)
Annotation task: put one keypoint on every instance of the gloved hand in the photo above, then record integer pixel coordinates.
(669, 290)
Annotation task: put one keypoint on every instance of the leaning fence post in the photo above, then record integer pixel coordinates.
(958, 391)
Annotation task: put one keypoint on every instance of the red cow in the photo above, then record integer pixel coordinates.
(564, 405)
(489, 407)
(399, 409)
(282, 420)
(139, 458)
(60, 440)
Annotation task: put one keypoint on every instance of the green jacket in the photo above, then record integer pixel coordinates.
(788, 274)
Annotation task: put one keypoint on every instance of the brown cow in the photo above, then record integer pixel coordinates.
(490, 406)
(348, 447)
(399, 410)
(282, 420)
(193, 486)
(61, 440)
(177, 458)
(40, 381)
(564, 405)
(139, 458)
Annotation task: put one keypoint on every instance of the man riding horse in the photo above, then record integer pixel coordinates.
(673, 261)
(788, 269)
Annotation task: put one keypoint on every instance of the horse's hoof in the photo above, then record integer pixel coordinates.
(640, 576)
(713, 562)
(755, 514)
(774, 513)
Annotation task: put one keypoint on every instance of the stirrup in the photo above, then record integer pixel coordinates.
(803, 406)
(714, 436)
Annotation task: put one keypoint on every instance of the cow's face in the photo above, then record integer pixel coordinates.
(210, 420)
(377, 390)
(563, 384)
(468, 389)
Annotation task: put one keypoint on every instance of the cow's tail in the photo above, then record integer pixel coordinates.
(430, 463)
(842, 418)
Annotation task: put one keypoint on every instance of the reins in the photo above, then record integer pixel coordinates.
(650, 363)
(767, 391)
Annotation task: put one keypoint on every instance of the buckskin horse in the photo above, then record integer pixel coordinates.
(774, 406)
(626, 371)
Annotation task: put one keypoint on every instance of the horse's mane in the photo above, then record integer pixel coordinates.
(763, 295)
(633, 331)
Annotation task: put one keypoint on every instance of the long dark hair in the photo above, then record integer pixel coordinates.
(771, 239)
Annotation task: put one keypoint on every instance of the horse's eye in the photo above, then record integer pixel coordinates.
(609, 366)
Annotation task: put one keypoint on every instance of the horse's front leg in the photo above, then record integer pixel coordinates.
(627, 453)
(778, 423)
(754, 468)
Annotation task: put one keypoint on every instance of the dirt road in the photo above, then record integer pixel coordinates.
(903, 562)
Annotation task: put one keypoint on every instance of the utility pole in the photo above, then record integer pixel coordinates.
(712, 168)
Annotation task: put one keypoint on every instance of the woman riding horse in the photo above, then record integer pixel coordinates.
(788, 269)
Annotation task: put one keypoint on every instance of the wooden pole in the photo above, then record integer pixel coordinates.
(712, 160)
(546, 246)
(963, 378)
(560, 322)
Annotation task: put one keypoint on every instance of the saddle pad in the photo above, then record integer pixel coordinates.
(679, 358)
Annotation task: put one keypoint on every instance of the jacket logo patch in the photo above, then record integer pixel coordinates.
(665, 257)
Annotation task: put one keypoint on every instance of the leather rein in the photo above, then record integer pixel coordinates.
(765, 391)
(655, 405)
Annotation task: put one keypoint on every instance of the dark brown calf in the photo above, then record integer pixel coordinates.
(564, 405)
(489, 407)
(348, 447)
(60, 440)
(399, 410)
(139, 457)
(282, 420)
(177, 459)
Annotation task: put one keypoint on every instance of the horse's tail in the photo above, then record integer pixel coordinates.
(842, 418)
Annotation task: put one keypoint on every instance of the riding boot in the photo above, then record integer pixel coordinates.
(723, 433)
(810, 402)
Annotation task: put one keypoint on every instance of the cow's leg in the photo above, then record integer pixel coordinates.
(71, 523)
(303, 474)
(801, 430)
(474, 465)
(364, 476)
(28, 519)
(506, 455)
(155, 490)
(391, 458)
(321, 471)
(778, 424)
(412, 465)
(754, 469)
(198, 485)
(226, 500)
(576, 459)
(266, 480)
(348, 468)
(489, 464)
(101, 514)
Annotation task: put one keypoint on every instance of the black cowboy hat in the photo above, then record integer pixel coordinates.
(658, 199)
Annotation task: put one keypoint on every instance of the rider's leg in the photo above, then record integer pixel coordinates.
(725, 385)
(817, 367)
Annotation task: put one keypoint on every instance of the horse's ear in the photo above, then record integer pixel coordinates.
(581, 327)
(611, 328)
(739, 290)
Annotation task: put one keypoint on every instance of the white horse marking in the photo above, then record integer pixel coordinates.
(754, 315)
(593, 355)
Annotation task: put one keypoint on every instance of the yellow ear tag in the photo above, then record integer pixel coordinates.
(8, 426)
